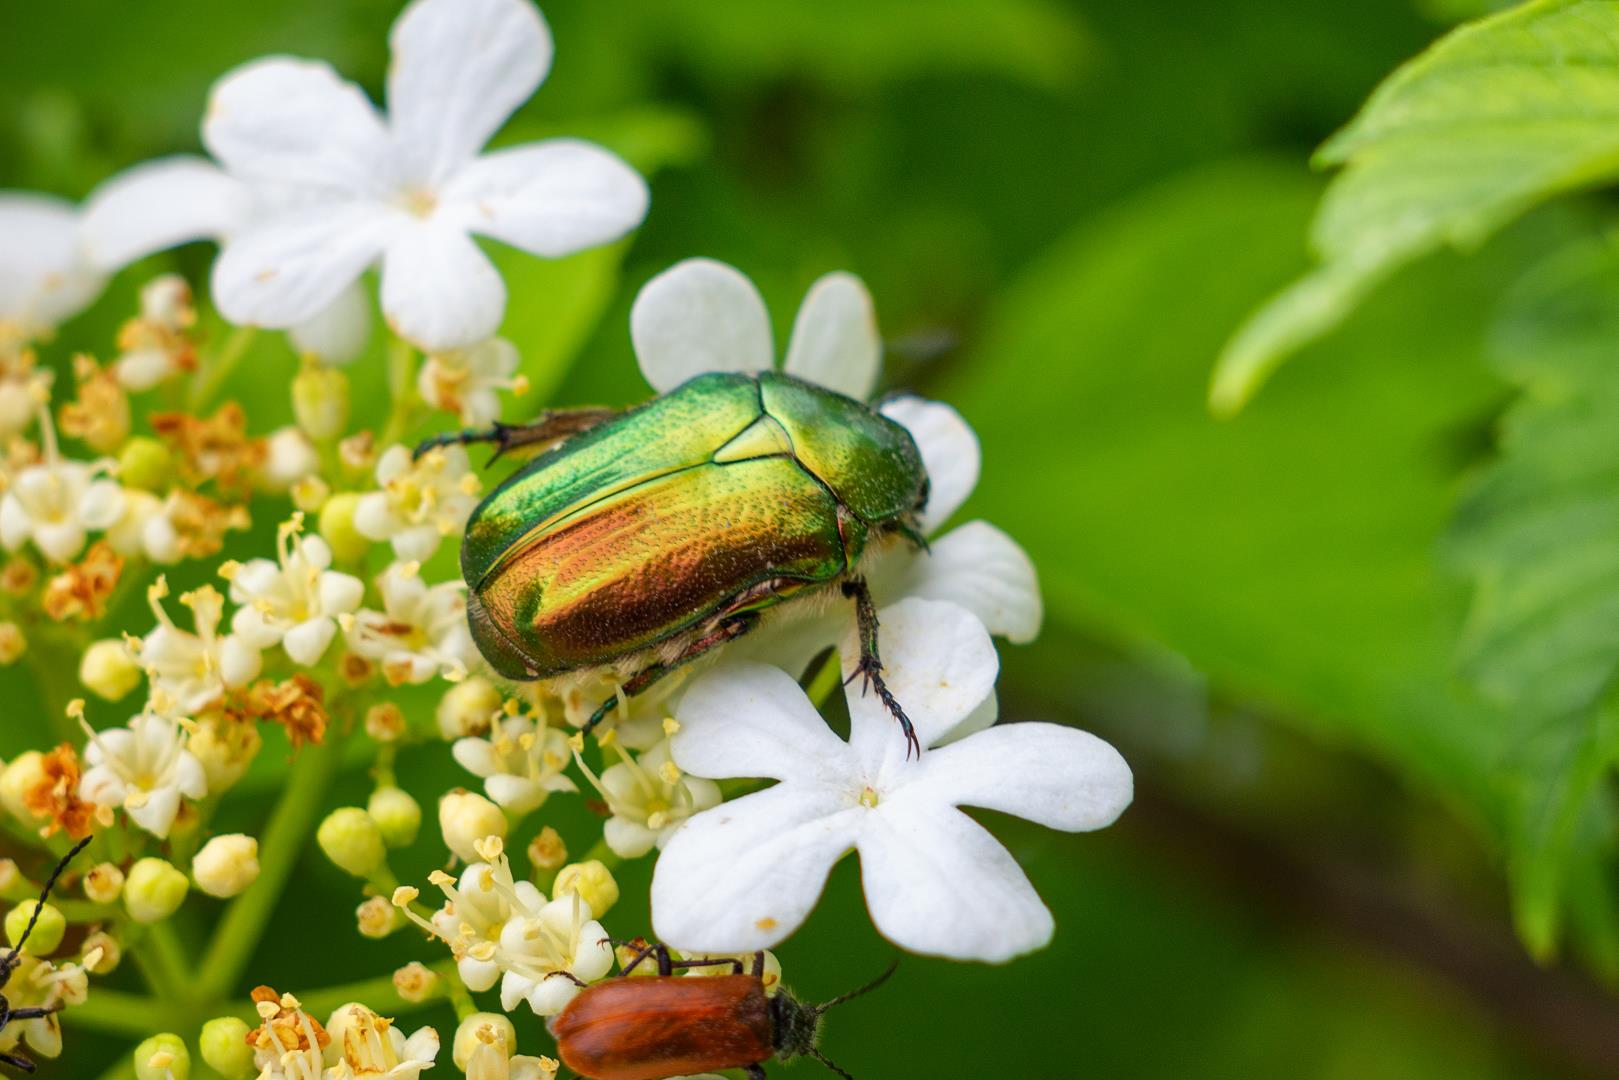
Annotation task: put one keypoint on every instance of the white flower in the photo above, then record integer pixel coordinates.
(521, 762)
(497, 926)
(44, 278)
(352, 188)
(289, 457)
(649, 799)
(466, 381)
(744, 875)
(57, 502)
(22, 387)
(193, 670)
(421, 501)
(295, 600)
(176, 200)
(702, 315)
(373, 1049)
(40, 984)
(144, 768)
(421, 631)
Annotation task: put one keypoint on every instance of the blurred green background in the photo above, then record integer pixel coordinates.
(1063, 208)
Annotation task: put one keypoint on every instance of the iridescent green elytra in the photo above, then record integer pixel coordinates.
(653, 536)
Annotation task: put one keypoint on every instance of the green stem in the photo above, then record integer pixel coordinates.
(402, 387)
(170, 954)
(212, 377)
(164, 985)
(126, 1014)
(283, 841)
(378, 993)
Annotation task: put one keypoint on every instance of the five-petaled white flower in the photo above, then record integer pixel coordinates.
(476, 910)
(494, 1057)
(191, 671)
(295, 599)
(649, 798)
(145, 769)
(521, 762)
(422, 500)
(702, 315)
(341, 187)
(371, 1048)
(467, 382)
(44, 278)
(746, 874)
(39, 984)
(56, 502)
(421, 631)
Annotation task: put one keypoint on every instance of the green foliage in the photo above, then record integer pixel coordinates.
(1497, 117)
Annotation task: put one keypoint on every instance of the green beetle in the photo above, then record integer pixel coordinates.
(641, 540)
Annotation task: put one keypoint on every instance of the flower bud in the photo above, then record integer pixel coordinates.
(351, 839)
(397, 814)
(416, 982)
(104, 883)
(225, 746)
(547, 851)
(483, 1028)
(226, 865)
(23, 775)
(465, 817)
(107, 669)
(310, 494)
(225, 1048)
(468, 708)
(48, 930)
(10, 876)
(12, 643)
(289, 457)
(163, 1057)
(377, 918)
(155, 890)
(337, 527)
(320, 401)
(592, 881)
(101, 953)
(385, 722)
(145, 464)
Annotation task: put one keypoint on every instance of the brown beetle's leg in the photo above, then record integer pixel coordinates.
(550, 426)
(870, 667)
(659, 951)
(32, 1013)
(21, 1064)
(727, 631)
(755, 1072)
(759, 964)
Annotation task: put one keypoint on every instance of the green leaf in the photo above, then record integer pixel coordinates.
(1495, 118)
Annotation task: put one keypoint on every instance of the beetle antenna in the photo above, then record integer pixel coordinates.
(868, 988)
(44, 895)
(824, 1060)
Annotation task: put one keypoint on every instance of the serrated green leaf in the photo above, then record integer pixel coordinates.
(1495, 118)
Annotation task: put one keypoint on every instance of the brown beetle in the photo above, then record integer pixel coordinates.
(652, 1028)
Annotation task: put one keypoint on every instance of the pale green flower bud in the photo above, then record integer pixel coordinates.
(320, 401)
(468, 708)
(224, 1047)
(547, 851)
(163, 1057)
(226, 865)
(108, 670)
(351, 839)
(465, 817)
(479, 1029)
(416, 982)
(377, 918)
(104, 883)
(12, 643)
(397, 814)
(337, 527)
(25, 772)
(592, 881)
(146, 464)
(155, 890)
(48, 931)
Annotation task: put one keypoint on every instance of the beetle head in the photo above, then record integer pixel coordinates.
(798, 1025)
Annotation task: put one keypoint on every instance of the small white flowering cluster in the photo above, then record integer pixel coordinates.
(731, 779)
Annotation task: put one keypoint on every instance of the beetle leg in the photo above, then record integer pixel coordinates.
(31, 1013)
(550, 426)
(660, 951)
(21, 1064)
(728, 630)
(759, 964)
(755, 1072)
(732, 962)
(870, 667)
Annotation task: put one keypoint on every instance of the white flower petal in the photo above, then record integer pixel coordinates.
(161, 204)
(156, 815)
(628, 839)
(44, 278)
(949, 449)
(296, 124)
(981, 568)
(938, 883)
(339, 332)
(940, 665)
(59, 540)
(549, 198)
(306, 642)
(459, 69)
(340, 592)
(439, 290)
(287, 270)
(102, 504)
(699, 315)
(744, 875)
(1060, 777)
(980, 719)
(749, 720)
(835, 340)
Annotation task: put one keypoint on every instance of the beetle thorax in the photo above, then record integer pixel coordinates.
(796, 1027)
